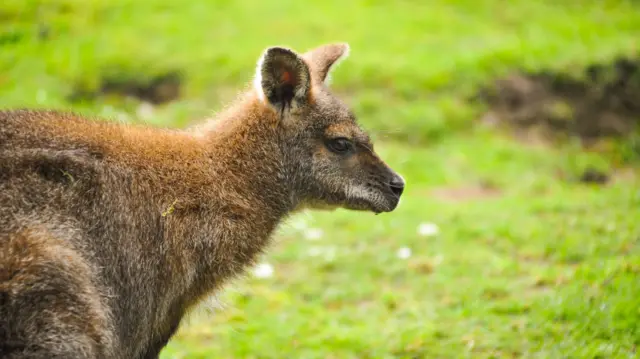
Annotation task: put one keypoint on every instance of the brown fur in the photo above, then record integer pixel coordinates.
(110, 233)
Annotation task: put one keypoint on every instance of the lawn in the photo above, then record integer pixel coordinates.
(497, 249)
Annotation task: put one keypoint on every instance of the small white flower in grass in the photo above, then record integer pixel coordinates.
(299, 223)
(263, 270)
(404, 253)
(428, 229)
(313, 234)
(330, 254)
(315, 251)
(145, 111)
(611, 227)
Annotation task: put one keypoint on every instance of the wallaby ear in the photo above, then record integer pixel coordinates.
(322, 58)
(282, 78)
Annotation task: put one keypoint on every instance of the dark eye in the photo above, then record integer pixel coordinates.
(339, 145)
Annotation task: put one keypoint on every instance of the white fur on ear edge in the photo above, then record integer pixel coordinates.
(257, 79)
(345, 54)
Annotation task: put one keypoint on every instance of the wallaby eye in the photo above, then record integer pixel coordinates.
(339, 145)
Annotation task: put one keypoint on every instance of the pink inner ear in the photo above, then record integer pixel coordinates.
(286, 77)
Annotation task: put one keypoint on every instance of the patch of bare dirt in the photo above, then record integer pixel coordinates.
(594, 175)
(157, 90)
(602, 101)
(466, 193)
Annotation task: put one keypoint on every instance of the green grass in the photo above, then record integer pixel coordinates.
(540, 266)
(408, 59)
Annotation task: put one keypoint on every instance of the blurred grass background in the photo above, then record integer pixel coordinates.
(502, 247)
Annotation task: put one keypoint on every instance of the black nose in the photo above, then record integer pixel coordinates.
(397, 185)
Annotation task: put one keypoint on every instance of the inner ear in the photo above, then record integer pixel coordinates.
(283, 79)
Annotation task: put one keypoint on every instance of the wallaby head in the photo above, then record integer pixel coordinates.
(329, 158)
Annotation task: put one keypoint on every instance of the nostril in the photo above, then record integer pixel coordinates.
(397, 190)
(397, 186)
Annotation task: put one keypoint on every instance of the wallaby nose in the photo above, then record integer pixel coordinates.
(397, 185)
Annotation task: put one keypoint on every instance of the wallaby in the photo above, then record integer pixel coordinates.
(110, 233)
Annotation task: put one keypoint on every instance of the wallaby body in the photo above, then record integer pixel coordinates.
(109, 233)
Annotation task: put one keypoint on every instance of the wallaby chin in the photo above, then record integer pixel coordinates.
(136, 225)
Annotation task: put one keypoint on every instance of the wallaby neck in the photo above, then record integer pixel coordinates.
(243, 147)
(242, 202)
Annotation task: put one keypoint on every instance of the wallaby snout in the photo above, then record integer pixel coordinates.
(393, 188)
